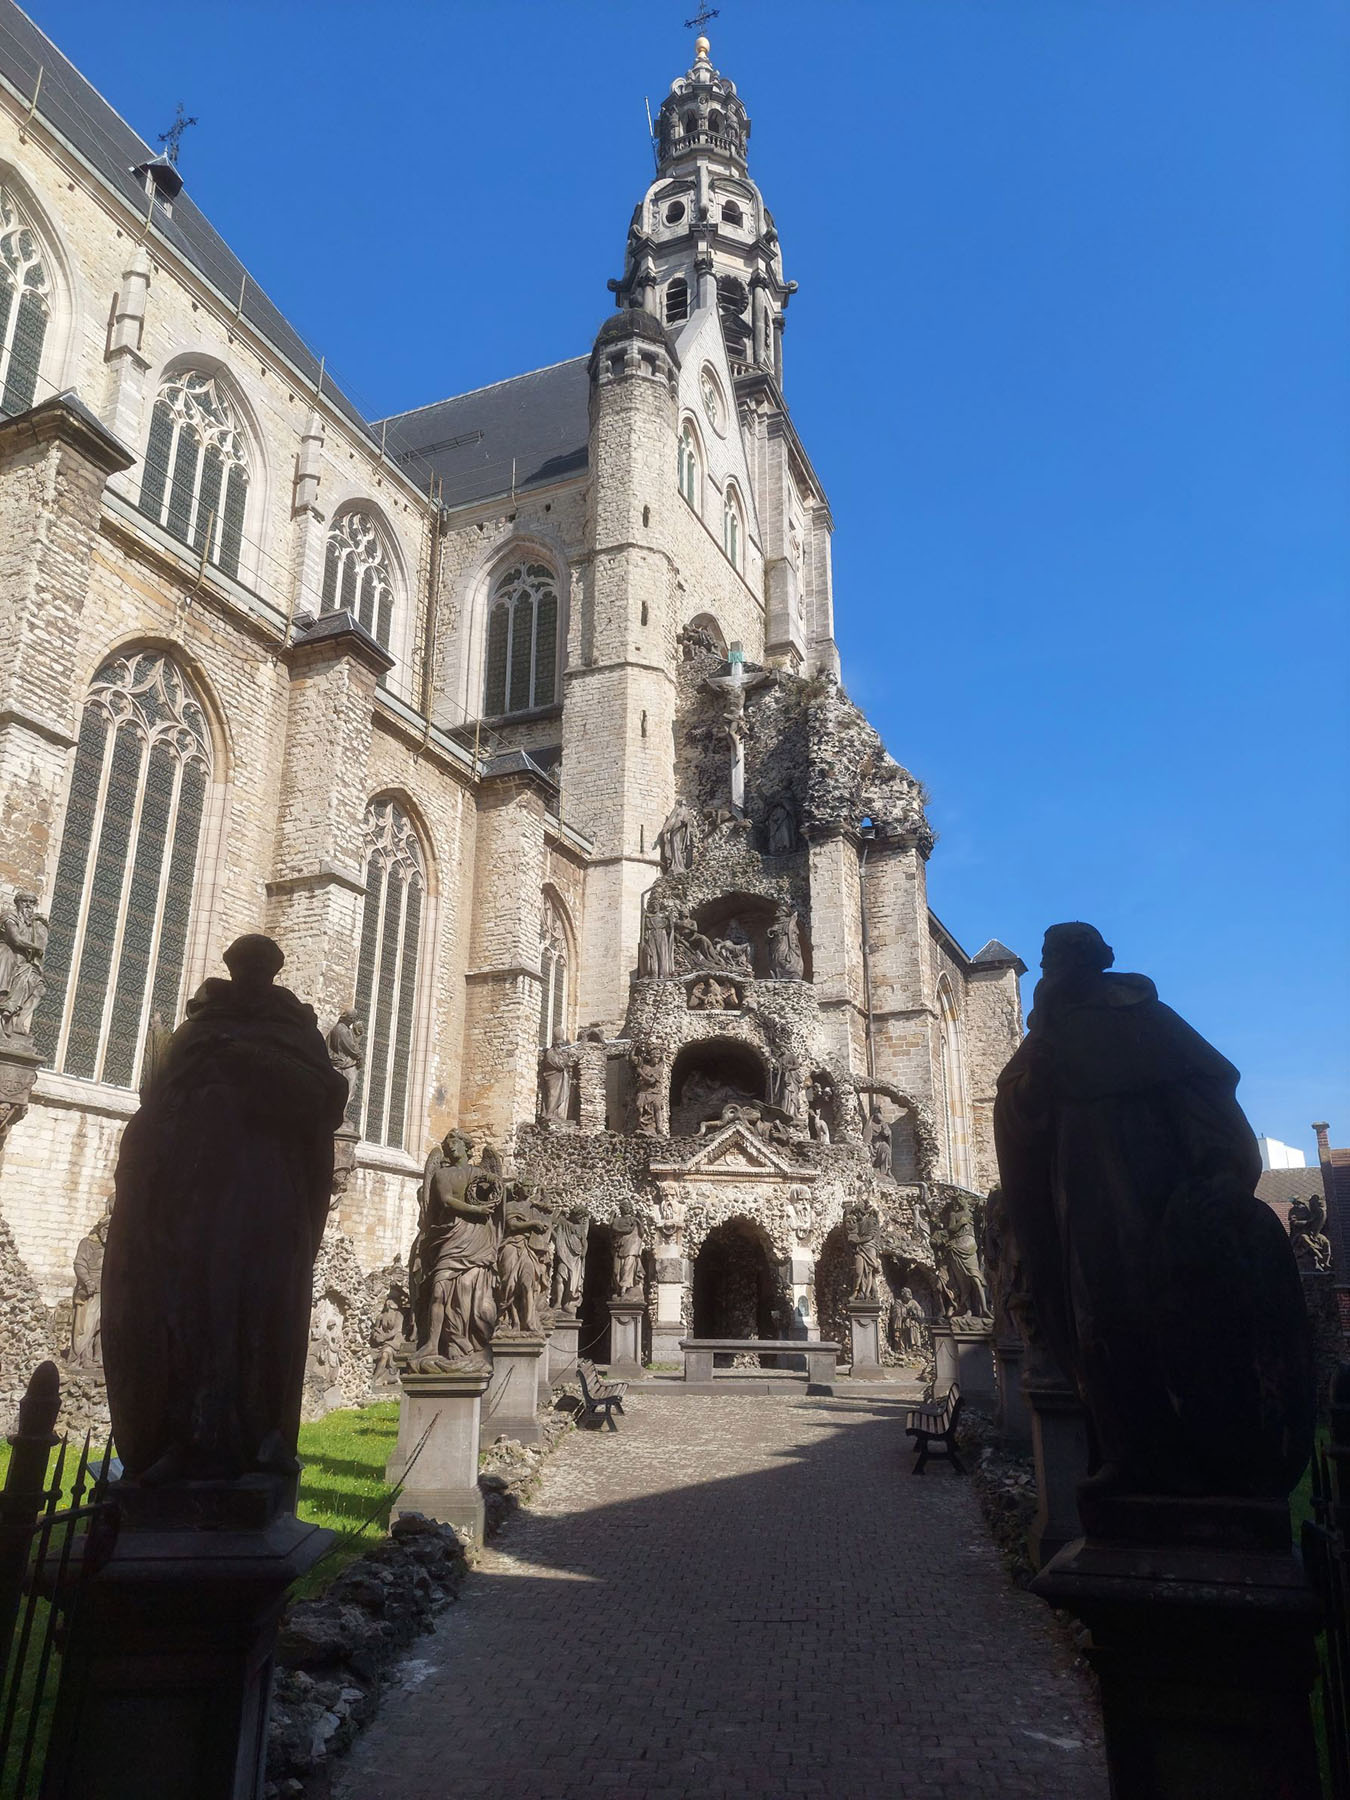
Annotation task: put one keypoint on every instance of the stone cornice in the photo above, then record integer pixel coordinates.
(65, 419)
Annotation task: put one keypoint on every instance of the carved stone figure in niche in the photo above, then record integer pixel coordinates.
(767, 1122)
(693, 948)
(223, 1184)
(910, 1324)
(675, 840)
(649, 1098)
(780, 829)
(788, 1085)
(862, 1229)
(86, 1321)
(627, 1253)
(557, 1080)
(801, 1216)
(23, 941)
(386, 1336)
(453, 1265)
(157, 1038)
(569, 1260)
(696, 640)
(344, 1048)
(656, 951)
(957, 1257)
(527, 1231)
(1307, 1232)
(670, 1223)
(713, 994)
(324, 1367)
(786, 962)
(877, 1137)
(820, 1104)
(731, 690)
(1166, 1289)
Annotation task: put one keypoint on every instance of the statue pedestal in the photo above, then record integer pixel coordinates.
(963, 1351)
(443, 1482)
(1202, 1627)
(166, 1680)
(864, 1335)
(19, 1065)
(544, 1396)
(1059, 1447)
(625, 1339)
(562, 1350)
(1014, 1417)
(511, 1404)
(668, 1327)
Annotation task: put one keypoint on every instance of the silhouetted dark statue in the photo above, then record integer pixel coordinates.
(1164, 1287)
(223, 1184)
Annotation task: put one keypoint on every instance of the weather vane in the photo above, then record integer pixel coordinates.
(700, 19)
(172, 138)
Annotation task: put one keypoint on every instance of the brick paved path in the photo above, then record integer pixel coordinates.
(736, 1597)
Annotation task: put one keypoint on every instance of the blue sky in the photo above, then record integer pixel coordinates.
(1069, 353)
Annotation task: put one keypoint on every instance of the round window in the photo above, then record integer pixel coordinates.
(675, 212)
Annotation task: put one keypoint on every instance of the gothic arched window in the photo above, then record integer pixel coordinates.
(677, 297)
(956, 1133)
(554, 967)
(733, 528)
(386, 971)
(689, 466)
(196, 468)
(127, 869)
(522, 641)
(25, 307)
(357, 576)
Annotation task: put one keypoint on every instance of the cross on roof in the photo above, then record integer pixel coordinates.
(173, 136)
(701, 17)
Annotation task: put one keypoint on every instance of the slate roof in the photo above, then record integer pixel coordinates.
(79, 114)
(1280, 1186)
(999, 956)
(539, 422)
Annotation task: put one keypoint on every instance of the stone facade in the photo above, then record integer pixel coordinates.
(471, 878)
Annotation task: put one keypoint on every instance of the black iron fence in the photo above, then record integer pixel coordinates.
(56, 1530)
(1326, 1557)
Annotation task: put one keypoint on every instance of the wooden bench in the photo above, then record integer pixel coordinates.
(932, 1423)
(700, 1356)
(600, 1399)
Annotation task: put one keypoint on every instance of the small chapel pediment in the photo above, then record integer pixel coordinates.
(733, 1154)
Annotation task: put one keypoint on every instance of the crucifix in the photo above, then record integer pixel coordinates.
(731, 689)
(173, 137)
(700, 18)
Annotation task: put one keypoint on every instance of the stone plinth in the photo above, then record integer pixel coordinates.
(166, 1679)
(625, 1339)
(562, 1350)
(668, 1321)
(1059, 1447)
(445, 1409)
(963, 1351)
(864, 1335)
(19, 1064)
(511, 1404)
(1202, 1637)
(1014, 1416)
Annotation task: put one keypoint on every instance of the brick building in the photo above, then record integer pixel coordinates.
(513, 717)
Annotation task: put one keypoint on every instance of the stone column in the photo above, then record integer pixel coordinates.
(54, 463)
(317, 892)
(1013, 1415)
(836, 953)
(864, 1331)
(511, 1404)
(625, 1339)
(445, 1409)
(1059, 1447)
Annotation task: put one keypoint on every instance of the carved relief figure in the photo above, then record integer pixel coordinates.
(23, 940)
(801, 1216)
(557, 1080)
(862, 1229)
(86, 1323)
(223, 1183)
(671, 1221)
(344, 1048)
(675, 840)
(569, 1260)
(735, 951)
(786, 962)
(453, 1264)
(627, 1253)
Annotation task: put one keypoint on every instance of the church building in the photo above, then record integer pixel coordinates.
(515, 719)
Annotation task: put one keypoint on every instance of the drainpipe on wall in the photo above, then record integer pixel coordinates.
(868, 834)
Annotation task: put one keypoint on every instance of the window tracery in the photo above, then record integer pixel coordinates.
(127, 869)
(689, 465)
(387, 970)
(733, 529)
(25, 308)
(197, 468)
(522, 641)
(554, 968)
(357, 575)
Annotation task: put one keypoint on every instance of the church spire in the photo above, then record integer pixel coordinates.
(702, 117)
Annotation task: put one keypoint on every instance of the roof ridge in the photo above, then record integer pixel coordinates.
(468, 393)
(84, 79)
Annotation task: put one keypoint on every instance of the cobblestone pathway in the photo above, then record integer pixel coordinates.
(732, 1597)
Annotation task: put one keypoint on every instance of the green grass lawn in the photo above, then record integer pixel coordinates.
(343, 1485)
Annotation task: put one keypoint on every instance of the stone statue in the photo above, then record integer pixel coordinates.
(222, 1187)
(780, 829)
(670, 1223)
(344, 1048)
(786, 962)
(1307, 1232)
(877, 1137)
(675, 840)
(649, 1100)
(557, 1080)
(694, 949)
(787, 1083)
(158, 1037)
(735, 951)
(862, 1228)
(527, 1230)
(324, 1367)
(957, 1257)
(820, 1099)
(86, 1322)
(1167, 1291)
(656, 951)
(801, 1216)
(23, 941)
(910, 1323)
(627, 1253)
(569, 1260)
(386, 1336)
(711, 993)
(453, 1266)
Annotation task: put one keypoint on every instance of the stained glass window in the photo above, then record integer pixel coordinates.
(25, 307)
(127, 869)
(522, 641)
(196, 468)
(387, 970)
(357, 576)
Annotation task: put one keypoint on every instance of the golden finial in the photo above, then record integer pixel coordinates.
(701, 49)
